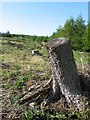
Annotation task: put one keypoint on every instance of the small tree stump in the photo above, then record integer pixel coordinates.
(64, 71)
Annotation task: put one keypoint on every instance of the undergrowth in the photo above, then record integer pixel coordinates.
(21, 68)
(37, 114)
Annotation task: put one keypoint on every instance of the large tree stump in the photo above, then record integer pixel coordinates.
(64, 71)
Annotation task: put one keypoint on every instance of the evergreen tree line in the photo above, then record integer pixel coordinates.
(25, 37)
(75, 29)
(77, 32)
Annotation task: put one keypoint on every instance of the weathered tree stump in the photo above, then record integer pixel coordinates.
(64, 71)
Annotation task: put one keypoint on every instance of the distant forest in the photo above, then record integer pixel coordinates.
(75, 29)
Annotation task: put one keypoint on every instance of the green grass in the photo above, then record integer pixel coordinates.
(37, 114)
(23, 63)
(25, 68)
(81, 58)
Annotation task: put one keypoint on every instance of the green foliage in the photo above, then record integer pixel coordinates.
(77, 32)
(24, 37)
(21, 82)
(7, 34)
(24, 68)
(74, 29)
(84, 115)
(6, 74)
(86, 39)
(68, 30)
(81, 55)
(37, 114)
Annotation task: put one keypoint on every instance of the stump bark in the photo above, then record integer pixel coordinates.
(64, 72)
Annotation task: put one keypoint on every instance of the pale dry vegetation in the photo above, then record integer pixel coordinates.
(21, 70)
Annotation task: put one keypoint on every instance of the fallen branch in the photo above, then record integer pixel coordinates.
(36, 93)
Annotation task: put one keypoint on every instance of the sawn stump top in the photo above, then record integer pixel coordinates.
(57, 42)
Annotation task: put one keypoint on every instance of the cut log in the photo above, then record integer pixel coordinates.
(64, 71)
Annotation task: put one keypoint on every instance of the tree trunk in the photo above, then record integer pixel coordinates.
(64, 72)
